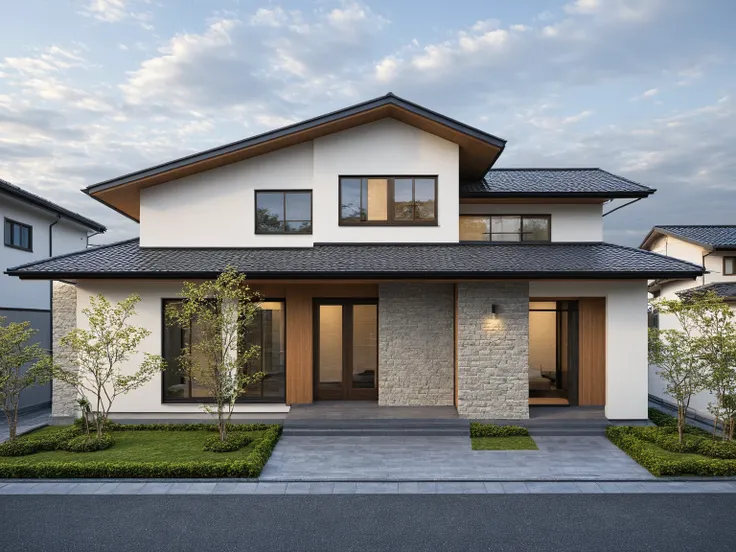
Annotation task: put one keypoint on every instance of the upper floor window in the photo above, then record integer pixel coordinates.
(400, 200)
(505, 228)
(284, 212)
(729, 266)
(18, 235)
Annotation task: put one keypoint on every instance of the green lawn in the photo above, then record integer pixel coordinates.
(141, 446)
(503, 443)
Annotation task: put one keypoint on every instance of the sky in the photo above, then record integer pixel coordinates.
(93, 89)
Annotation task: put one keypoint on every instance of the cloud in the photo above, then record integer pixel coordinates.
(650, 93)
(115, 11)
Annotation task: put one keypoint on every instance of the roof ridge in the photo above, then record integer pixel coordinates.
(72, 254)
(695, 226)
(546, 169)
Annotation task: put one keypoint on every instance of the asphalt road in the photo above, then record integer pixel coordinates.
(601, 523)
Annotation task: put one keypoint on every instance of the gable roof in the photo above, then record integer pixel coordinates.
(581, 183)
(37, 201)
(478, 149)
(711, 237)
(593, 260)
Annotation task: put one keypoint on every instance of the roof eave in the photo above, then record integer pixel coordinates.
(579, 275)
(662, 232)
(556, 195)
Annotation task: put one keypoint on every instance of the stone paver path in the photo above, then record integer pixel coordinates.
(230, 487)
(26, 422)
(446, 458)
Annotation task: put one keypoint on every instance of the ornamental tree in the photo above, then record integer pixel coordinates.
(22, 364)
(97, 358)
(715, 323)
(220, 312)
(677, 355)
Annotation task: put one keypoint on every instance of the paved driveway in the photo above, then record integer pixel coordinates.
(26, 422)
(446, 458)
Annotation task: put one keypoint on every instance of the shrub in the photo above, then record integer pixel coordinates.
(667, 438)
(478, 429)
(625, 438)
(233, 442)
(718, 449)
(250, 466)
(115, 426)
(661, 418)
(29, 444)
(88, 443)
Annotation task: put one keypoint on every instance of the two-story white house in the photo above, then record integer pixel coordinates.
(35, 229)
(714, 248)
(396, 264)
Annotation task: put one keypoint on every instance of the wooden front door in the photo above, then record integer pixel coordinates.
(346, 349)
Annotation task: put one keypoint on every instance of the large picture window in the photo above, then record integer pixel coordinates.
(505, 228)
(18, 235)
(284, 212)
(401, 200)
(268, 332)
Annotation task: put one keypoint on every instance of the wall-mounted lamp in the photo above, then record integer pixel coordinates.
(494, 311)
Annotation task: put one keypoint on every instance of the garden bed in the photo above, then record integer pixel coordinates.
(495, 437)
(146, 450)
(658, 449)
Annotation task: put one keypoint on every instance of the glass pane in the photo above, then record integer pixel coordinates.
(377, 190)
(330, 344)
(536, 229)
(298, 227)
(200, 373)
(504, 228)
(268, 332)
(350, 199)
(403, 199)
(365, 346)
(8, 232)
(176, 385)
(298, 206)
(270, 211)
(474, 228)
(730, 265)
(424, 199)
(25, 237)
(16, 234)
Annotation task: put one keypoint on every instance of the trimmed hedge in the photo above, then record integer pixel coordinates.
(115, 426)
(627, 439)
(29, 444)
(234, 441)
(88, 443)
(661, 418)
(478, 429)
(250, 466)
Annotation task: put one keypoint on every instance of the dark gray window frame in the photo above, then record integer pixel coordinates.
(520, 233)
(390, 201)
(285, 221)
(208, 400)
(733, 273)
(8, 239)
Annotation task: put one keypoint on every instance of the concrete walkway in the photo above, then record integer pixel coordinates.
(446, 459)
(26, 422)
(230, 487)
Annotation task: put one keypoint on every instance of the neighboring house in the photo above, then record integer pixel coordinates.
(35, 229)
(712, 247)
(397, 267)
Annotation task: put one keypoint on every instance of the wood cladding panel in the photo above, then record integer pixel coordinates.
(299, 331)
(592, 361)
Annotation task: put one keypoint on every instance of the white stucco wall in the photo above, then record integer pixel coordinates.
(147, 399)
(576, 222)
(626, 339)
(216, 208)
(67, 237)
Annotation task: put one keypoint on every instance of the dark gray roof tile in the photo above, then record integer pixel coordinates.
(726, 290)
(555, 260)
(713, 236)
(553, 182)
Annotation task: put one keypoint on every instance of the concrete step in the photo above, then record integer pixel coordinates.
(567, 432)
(377, 432)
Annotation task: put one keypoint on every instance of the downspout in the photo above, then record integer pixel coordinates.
(703, 261)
